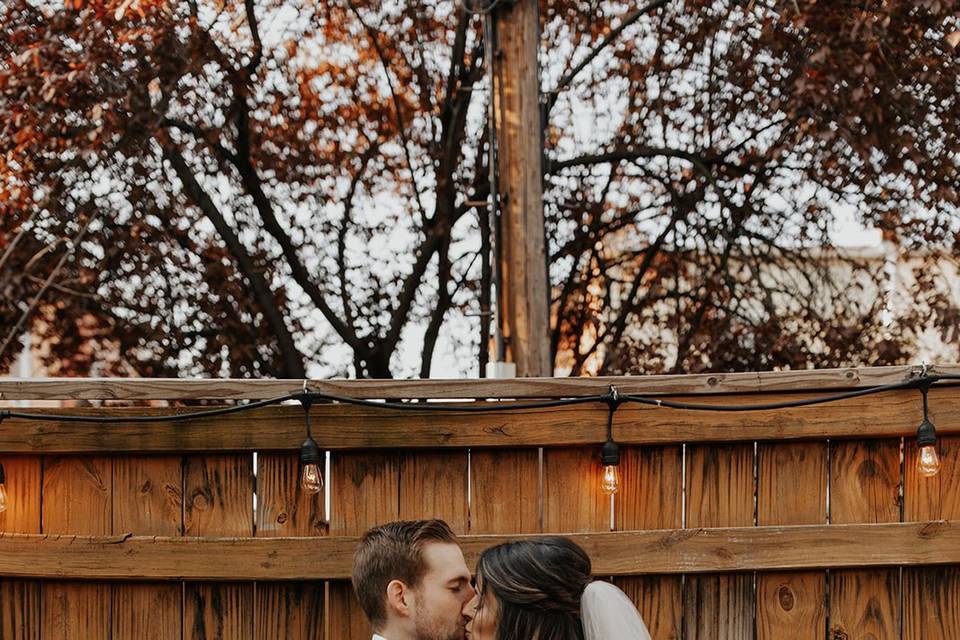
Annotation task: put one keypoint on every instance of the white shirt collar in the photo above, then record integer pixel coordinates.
(377, 636)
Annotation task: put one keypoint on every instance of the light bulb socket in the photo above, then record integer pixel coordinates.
(309, 452)
(926, 434)
(610, 454)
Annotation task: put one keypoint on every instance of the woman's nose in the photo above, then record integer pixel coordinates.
(470, 608)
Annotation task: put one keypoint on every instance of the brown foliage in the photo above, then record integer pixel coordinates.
(276, 181)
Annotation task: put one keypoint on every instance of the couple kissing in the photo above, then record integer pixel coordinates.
(413, 584)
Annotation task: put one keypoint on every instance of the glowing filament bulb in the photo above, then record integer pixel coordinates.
(928, 464)
(311, 479)
(611, 479)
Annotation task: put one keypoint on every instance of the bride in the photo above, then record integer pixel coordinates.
(541, 589)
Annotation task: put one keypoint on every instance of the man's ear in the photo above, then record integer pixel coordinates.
(400, 599)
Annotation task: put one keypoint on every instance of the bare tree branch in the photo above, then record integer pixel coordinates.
(255, 34)
(612, 36)
(292, 358)
(254, 187)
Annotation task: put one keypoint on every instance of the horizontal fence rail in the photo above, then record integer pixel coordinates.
(239, 389)
(621, 553)
(338, 427)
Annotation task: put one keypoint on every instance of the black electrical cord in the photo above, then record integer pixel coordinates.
(789, 404)
(612, 398)
(210, 413)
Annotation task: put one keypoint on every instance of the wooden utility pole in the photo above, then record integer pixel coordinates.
(523, 295)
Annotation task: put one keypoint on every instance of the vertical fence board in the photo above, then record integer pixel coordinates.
(650, 497)
(147, 500)
(505, 488)
(720, 493)
(572, 499)
(932, 595)
(286, 611)
(865, 487)
(77, 499)
(20, 599)
(365, 492)
(433, 484)
(792, 488)
(218, 501)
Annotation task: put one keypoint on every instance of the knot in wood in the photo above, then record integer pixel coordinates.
(786, 598)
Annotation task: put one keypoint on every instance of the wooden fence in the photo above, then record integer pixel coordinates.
(791, 524)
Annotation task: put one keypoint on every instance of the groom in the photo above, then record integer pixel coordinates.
(412, 581)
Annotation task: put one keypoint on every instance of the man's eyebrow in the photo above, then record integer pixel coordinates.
(458, 580)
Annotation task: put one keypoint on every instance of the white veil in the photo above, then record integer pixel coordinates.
(608, 614)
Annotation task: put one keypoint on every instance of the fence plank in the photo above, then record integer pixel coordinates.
(280, 428)
(932, 596)
(147, 500)
(506, 491)
(792, 487)
(720, 491)
(865, 487)
(287, 611)
(20, 610)
(651, 497)
(572, 498)
(433, 484)
(20, 599)
(218, 501)
(365, 491)
(76, 499)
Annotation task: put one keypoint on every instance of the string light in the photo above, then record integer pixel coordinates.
(928, 462)
(311, 478)
(3, 490)
(310, 456)
(610, 454)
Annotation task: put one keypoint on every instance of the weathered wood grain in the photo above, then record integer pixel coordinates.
(671, 551)
(791, 489)
(865, 487)
(433, 484)
(76, 499)
(505, 489)
(365, 491)
(720, 490)
(572, 499)
(20, 599)
(218, 501)
(931, 597)
(240, 389)
(651, 498)
(340, 427)
(287, 611)
(147, 500)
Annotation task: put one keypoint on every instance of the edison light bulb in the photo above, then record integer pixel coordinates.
(611, 479)
(929, 462)
(311, 479)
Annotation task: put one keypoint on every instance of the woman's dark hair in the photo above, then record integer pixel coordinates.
(538, 584)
